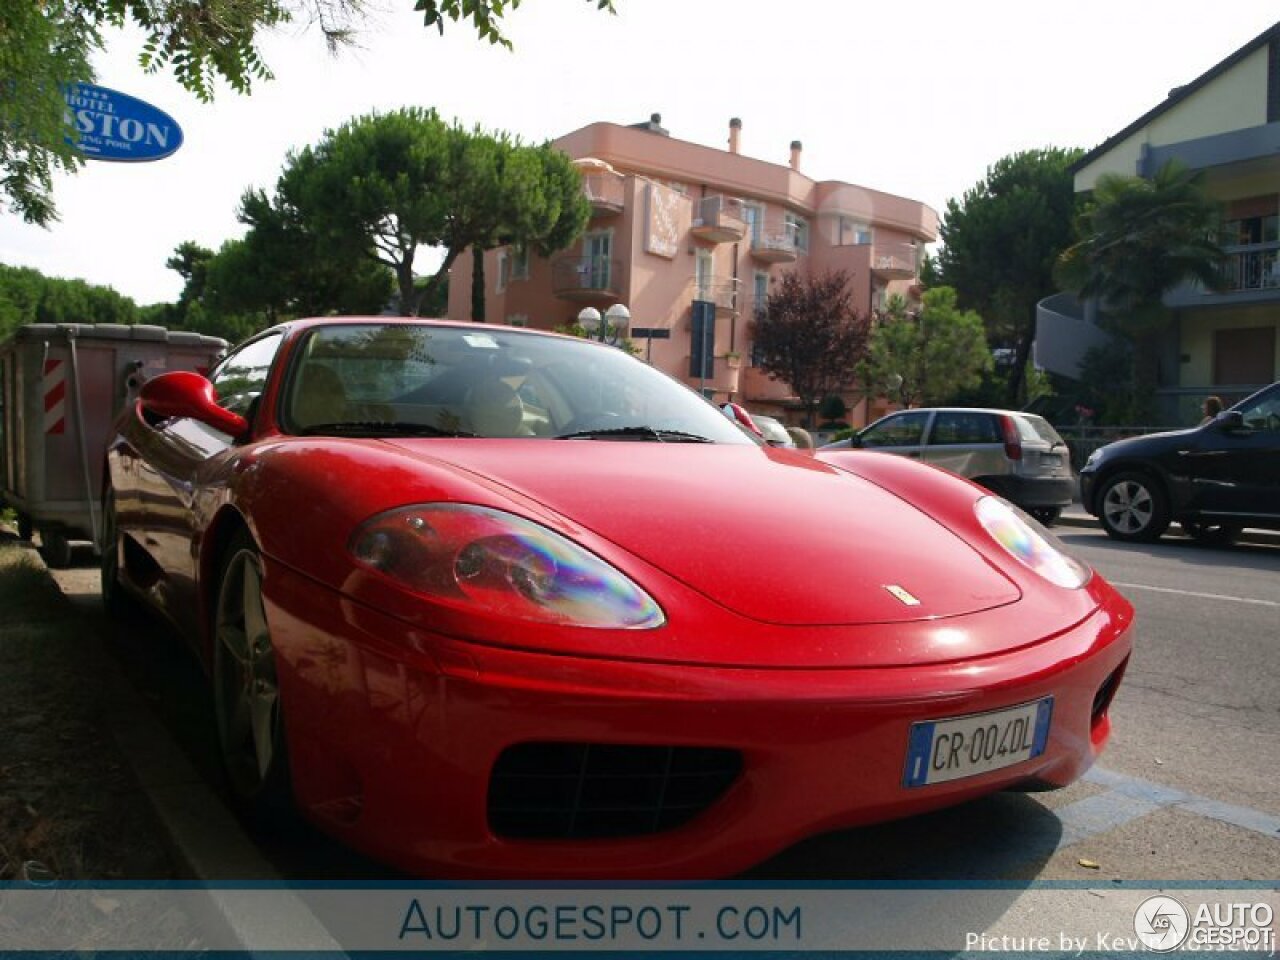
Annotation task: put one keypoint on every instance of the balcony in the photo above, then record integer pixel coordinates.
(1252, 267)
(586, 278)
(893, 261)
(723, 293)
(774, 243)
(719, 220)
(1250, 274)
(605, 191)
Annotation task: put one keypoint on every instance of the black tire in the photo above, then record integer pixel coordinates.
(26, 529)
(246, 696)
(118, 603)
(1133, 507)
(1047, 516)
(56, 549)
(1215, 534)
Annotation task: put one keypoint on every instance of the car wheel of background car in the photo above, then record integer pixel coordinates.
(1212, 533)
(115, 598)
(55, 548)
(1133, 508)
(246, 694)
(1047, 515)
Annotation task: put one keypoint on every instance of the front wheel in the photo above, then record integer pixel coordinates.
(1133, 508)
(1216, 534)
(246, 693)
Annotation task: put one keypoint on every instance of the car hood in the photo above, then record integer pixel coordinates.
(772, 535)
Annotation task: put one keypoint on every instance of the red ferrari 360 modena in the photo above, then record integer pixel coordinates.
(487, 602)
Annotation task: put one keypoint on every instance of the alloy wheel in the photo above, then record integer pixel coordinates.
(1128, 507)
(247, 696)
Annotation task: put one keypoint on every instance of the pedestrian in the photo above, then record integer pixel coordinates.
(1212, 407)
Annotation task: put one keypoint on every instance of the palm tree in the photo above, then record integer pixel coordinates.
(1141, 238)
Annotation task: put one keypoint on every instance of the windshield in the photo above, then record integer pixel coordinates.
(407, 379)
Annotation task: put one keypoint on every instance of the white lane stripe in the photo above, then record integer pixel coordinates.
(1192, 593)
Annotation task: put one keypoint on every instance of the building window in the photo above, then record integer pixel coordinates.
(798, 230)
(703, 275)
(753, 217)
(854, 232)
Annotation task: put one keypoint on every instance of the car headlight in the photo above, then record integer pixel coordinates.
(476, 556)
(1030, 545)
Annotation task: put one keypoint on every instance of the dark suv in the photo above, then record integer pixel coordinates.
(1214, 480)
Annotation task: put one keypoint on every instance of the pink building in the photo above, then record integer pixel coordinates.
(674, 223)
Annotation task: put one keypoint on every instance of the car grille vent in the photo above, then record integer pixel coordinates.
(588, 790)
(1102, 699)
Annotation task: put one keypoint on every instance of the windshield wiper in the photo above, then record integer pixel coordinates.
(374, 428)
(636, 433)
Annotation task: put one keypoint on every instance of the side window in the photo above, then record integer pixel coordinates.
(1264, 414)
(240, 378)
(900, 430)
(953, 428)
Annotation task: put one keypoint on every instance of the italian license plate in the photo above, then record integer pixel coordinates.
(942, 750)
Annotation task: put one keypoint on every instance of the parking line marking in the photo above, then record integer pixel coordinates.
(1100, 813)
(1155, 796)
(1193, 593)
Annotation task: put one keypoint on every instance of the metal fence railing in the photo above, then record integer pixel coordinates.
(1083, 440)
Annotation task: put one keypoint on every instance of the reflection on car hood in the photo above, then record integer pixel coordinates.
(775, 536)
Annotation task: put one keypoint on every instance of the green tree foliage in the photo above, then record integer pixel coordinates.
(47, 44)
(1000, 244)
(811, 336)
(43, 46)
(926, 358)
(384, 186)
(1141, 238)
(483, 14)
(28, 296)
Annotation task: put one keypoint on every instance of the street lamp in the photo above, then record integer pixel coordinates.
(614, 319)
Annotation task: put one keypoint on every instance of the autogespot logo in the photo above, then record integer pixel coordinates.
(1161, 923)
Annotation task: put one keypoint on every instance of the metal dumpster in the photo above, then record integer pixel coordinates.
(61, 386)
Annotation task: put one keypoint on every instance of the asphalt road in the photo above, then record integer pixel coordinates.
(1187, 790)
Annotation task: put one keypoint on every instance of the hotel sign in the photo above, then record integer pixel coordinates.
(109, 125)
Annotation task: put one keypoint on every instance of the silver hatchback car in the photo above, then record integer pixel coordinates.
(1014, 454)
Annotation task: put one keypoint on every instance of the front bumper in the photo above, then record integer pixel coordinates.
(393, 734)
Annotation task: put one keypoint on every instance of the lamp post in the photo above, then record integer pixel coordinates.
(615, 318)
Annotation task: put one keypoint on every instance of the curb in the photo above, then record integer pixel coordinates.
(201, 834)
(1085, 521)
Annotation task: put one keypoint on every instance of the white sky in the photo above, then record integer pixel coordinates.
(916, 99)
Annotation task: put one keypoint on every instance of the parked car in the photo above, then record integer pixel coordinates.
(489, 602)
(1214, 479)
(1017, 455)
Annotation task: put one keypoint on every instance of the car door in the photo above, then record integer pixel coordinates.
(1236, 470)
(174, 452)
(902, 433)
(966, 442)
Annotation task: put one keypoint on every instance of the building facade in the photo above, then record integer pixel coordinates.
(691, 239)
(1227, 124)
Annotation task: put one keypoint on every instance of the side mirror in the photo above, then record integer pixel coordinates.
(855, 440)
(185, 394)
(1229, 420)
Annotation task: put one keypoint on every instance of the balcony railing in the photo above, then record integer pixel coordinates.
(605, 191)
(774, 242)
(723, 293)
(1252, 267)
(895, 261)
(719, 219)
(586, 278)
